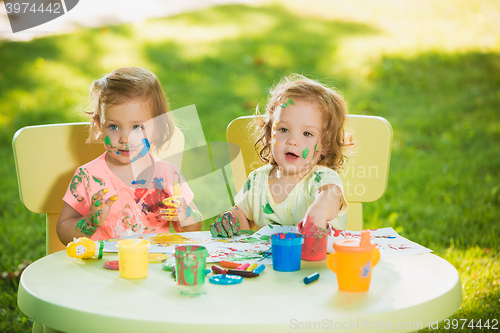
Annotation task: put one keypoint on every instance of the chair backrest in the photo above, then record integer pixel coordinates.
(365, 175)
(46, 158)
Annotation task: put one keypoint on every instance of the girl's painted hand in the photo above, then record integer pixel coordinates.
(307, 226)
(175, 212)
(225, 225)
(100, 207)
(176, 209)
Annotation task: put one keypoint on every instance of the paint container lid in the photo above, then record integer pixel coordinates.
(112, 265)
(309, 230)
(225, 279)
(196, 251)
(355, 244)
(287, 239)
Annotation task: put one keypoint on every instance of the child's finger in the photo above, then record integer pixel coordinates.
(227, 226)
(220, 229)
(97, 198)
(170, 218)
(213, 230)
(175, 202)
(169, 211)
(236, 227)
(217, 230)
(111, 200)
(233, 222)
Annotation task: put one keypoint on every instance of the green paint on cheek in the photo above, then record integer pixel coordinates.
(305, 152)
(315, 151)
(107, 140)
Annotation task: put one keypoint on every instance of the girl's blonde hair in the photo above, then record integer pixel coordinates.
(124, 85)
(332, 106)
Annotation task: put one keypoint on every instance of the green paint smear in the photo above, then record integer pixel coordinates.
(107, 140)
(268, 209)
(317, 176)
(98, 180)
(286, 103)
(247, 186)
(305, 152)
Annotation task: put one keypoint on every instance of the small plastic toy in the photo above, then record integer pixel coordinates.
(85, 248)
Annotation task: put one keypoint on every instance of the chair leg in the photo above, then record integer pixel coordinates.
(37, 328)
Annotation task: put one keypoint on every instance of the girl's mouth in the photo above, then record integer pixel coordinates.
(291, 156)
(124, 152)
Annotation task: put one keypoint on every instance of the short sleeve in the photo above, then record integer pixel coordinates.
(245, 197)
(324, 176)
(77, 194)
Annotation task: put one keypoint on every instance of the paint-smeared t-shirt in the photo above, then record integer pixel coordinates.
(257, 203)
(137, 209)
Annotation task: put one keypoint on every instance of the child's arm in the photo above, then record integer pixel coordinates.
(73, 224)
(326, 205)
(231, 222)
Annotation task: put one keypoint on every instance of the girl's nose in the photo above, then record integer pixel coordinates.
(124, 136)
(291, 140)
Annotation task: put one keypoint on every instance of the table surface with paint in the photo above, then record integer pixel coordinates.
(82, 296)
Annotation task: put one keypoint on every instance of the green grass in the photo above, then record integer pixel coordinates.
(431, 68)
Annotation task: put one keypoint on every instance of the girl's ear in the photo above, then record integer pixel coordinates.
(98, 125)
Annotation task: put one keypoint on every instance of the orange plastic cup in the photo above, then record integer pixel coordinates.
(353, 261)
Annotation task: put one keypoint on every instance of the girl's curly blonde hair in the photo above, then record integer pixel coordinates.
(122, 86)
(332, 106)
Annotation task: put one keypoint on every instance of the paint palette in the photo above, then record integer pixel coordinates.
(225, 279)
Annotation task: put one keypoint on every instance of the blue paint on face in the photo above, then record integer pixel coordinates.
(144, 150)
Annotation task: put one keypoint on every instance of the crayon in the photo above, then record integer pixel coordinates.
(229, 264)
(259, 269)
(241, 273)
(251, 267)
(311, 278)
(218, 270)
(243, 266)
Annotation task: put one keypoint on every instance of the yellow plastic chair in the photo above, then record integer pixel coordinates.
(46, 158)
(365, 175)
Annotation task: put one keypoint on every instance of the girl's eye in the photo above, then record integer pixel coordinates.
(308, 134)
(283, 130)
(113, 127)
(138, 127)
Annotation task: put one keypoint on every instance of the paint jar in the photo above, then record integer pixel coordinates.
(353, 261)
(190, 262)
(286, 251)
(133, 257)
(315, 241)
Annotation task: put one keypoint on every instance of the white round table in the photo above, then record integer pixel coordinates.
(406, 294)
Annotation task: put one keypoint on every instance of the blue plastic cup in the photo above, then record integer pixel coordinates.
(286, 250)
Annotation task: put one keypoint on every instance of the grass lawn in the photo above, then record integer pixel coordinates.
(432, 68)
